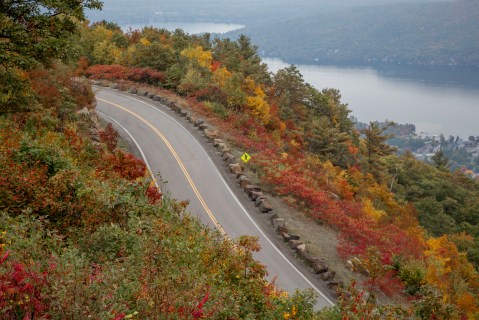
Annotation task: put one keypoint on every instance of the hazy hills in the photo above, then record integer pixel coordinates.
(247, 11)
(426, 34)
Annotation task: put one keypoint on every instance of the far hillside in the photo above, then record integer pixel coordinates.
(439, 33)
(235, 11)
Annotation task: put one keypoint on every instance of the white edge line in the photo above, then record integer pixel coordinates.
(232, 193)
(137, 145)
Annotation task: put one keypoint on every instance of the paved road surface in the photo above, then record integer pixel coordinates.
(179, 155)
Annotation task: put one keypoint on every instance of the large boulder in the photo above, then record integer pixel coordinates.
(286, 236)
(211, 134)
(243, 181)
(335, 285)
(278, 222)
(253, 195)
(265, 207)
(259, 200)
(301, 247)
(229, 158)
(220, 146)
(225, 151)
(293, 244)
(283, 230)
(319, 266)
(328, 276)
(236, 169)
(308, 258)
(217, 142)
(198, 122)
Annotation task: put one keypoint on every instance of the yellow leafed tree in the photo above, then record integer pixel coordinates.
(256, 100)
(197, 54)
(451, 272)
(371, 211)
(221, 75)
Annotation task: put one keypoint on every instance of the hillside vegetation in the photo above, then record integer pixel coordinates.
(85, 234)
(411, 227)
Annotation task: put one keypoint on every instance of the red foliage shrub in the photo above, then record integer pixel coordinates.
(127, 165)
(82, 65)
(107, 72)
(75, 141)
(41, 83)
(109, 136)
(117, 72)
(154, 195)
(21, 295)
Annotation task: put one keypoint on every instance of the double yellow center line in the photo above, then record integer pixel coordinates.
(178, 160)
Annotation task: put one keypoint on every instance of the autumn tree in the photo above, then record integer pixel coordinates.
(33, 33)
(376, 148)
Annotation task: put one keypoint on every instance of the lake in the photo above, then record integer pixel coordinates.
(189, 27)
(436, 100)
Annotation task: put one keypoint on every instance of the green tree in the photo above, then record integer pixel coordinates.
(440, 161)
(35, 32)
(155, 55)
(292, 92)
(433, 218)
(376, 148)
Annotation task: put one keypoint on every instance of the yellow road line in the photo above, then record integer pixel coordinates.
(178, 160)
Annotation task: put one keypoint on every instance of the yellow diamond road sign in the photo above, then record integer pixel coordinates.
(245, 157)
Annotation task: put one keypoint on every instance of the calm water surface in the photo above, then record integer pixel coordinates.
(435, 101)
(189, 27)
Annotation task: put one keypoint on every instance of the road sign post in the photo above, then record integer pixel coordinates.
(246, 157)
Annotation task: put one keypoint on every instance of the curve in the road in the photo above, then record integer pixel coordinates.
(143, 156)
(191, 182)
(178, 160)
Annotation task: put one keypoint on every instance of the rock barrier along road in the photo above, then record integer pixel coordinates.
(170, 149)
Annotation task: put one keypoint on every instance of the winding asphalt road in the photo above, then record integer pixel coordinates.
(172, 149)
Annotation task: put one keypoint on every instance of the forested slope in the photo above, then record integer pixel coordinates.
(84, 234)
(411, 227)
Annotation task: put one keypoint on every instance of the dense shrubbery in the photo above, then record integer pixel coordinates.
(84, 234)
(305, 148)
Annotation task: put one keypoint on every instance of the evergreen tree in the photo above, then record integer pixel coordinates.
(376, 147)
(440, 161)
